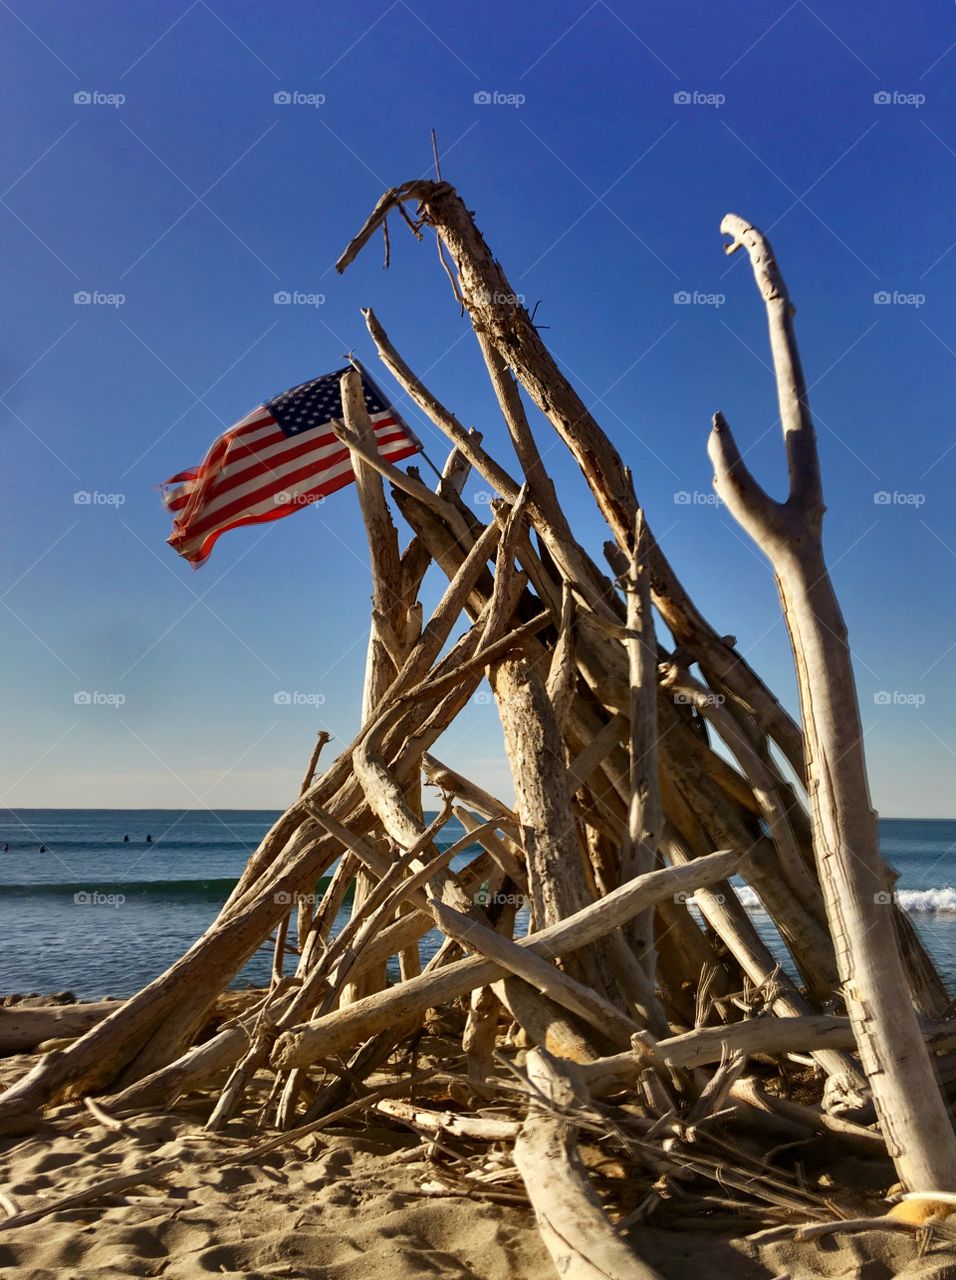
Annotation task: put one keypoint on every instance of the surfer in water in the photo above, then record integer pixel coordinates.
(149, 839)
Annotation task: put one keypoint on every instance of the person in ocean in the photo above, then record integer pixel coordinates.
(42, 848)
(149, 839)
(125, 839)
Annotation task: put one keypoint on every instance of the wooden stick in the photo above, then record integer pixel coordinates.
(321, 740)
(572, 1222)
(493, 306)
(912, 1111)
(306, 1044)
(538, 972)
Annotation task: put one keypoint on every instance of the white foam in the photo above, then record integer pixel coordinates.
(939, 901)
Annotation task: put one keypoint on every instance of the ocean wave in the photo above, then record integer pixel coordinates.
(209, 890)
(937, 901)
(212, 889)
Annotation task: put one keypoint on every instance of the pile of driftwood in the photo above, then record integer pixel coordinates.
(636, 1052)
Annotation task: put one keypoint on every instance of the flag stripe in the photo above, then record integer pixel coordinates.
(199, 544)
(281, 456)
(247, 483)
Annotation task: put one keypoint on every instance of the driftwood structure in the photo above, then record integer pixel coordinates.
(598, 984)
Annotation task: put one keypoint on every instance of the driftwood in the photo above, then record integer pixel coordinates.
(590, 915)
(852, 873)
(572, 1222)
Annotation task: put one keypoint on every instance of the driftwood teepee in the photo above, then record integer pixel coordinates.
(639, 1014)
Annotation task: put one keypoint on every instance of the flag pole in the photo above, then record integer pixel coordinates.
(364, 373)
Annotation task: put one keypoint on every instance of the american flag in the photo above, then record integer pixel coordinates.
(280, 457)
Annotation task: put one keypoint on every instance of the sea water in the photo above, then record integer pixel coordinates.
(101, 917)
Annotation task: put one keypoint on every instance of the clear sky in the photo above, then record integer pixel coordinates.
(616, 137)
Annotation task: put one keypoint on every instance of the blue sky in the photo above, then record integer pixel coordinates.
(616, 138)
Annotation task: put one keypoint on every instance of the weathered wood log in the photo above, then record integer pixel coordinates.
(552, 846)
(388, 634)
(768, 1034)
(866, 1141)
(306, 1044)
(721, 908)
(645, 818)
(547, 978)
(23, 1027)
(454, 1123)
(495, 309)
(912, 1112)
(571, 1219)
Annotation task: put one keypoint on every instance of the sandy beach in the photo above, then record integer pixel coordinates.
(361, 1200)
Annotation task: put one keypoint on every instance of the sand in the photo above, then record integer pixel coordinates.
(342, 1204)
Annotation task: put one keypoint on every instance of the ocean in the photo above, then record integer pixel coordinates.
(101, 917)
